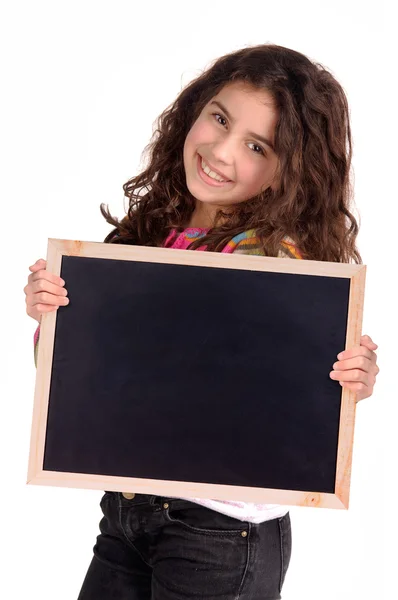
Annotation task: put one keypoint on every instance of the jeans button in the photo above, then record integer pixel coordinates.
(128, 495)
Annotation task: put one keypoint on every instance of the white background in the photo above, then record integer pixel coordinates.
(82, 84)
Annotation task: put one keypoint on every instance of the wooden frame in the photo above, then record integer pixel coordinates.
(36, 475)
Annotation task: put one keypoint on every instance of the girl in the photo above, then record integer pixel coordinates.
(252, 157)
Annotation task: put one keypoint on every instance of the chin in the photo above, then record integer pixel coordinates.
(201, 196)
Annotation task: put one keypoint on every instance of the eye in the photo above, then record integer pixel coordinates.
(218, 115)
(260, 149)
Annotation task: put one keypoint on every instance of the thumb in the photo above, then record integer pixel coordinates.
(39, 264)
(367, 341)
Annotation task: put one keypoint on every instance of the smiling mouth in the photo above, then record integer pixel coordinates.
(207, 178)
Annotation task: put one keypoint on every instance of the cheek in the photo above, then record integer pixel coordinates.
(198, 134)
(251, 174)
(260, 172)
(253, 178)
(193, 140)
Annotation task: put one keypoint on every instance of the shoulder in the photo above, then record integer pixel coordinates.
(249, 243)
(289, 249)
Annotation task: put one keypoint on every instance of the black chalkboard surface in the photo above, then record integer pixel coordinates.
(214, 376)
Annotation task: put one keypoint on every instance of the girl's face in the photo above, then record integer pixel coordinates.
(234, 136)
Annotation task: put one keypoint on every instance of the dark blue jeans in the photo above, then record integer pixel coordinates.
(166, 549)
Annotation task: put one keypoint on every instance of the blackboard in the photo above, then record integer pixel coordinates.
(198, 375)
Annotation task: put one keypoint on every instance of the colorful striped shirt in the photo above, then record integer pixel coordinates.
(244, 243)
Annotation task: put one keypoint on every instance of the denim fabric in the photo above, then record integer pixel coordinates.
(168, 549)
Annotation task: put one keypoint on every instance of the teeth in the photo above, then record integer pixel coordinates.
(210, 173)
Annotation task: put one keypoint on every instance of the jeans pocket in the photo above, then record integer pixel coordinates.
(285, 535)
(202, 520)
(207, 552)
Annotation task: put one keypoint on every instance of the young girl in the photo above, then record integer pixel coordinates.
(253, 157)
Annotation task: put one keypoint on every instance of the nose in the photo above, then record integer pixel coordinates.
(223, 151)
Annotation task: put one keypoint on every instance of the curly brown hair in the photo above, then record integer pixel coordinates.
(311, 203)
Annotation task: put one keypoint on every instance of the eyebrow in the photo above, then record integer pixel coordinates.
(251, 133)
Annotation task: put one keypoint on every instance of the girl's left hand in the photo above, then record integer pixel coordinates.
(357, 368)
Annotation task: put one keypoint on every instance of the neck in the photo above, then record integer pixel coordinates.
(203, 217)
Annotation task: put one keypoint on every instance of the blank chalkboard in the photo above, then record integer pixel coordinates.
(197, 375)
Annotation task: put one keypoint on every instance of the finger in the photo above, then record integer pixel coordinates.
(45, 298)
(367, 341)
(39, 264)
(353, 375)
(356, 351)
(51, 277)
(358, 362)
(43, 285)
(370, 346)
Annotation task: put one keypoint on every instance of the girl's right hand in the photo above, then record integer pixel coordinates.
(44, 291)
